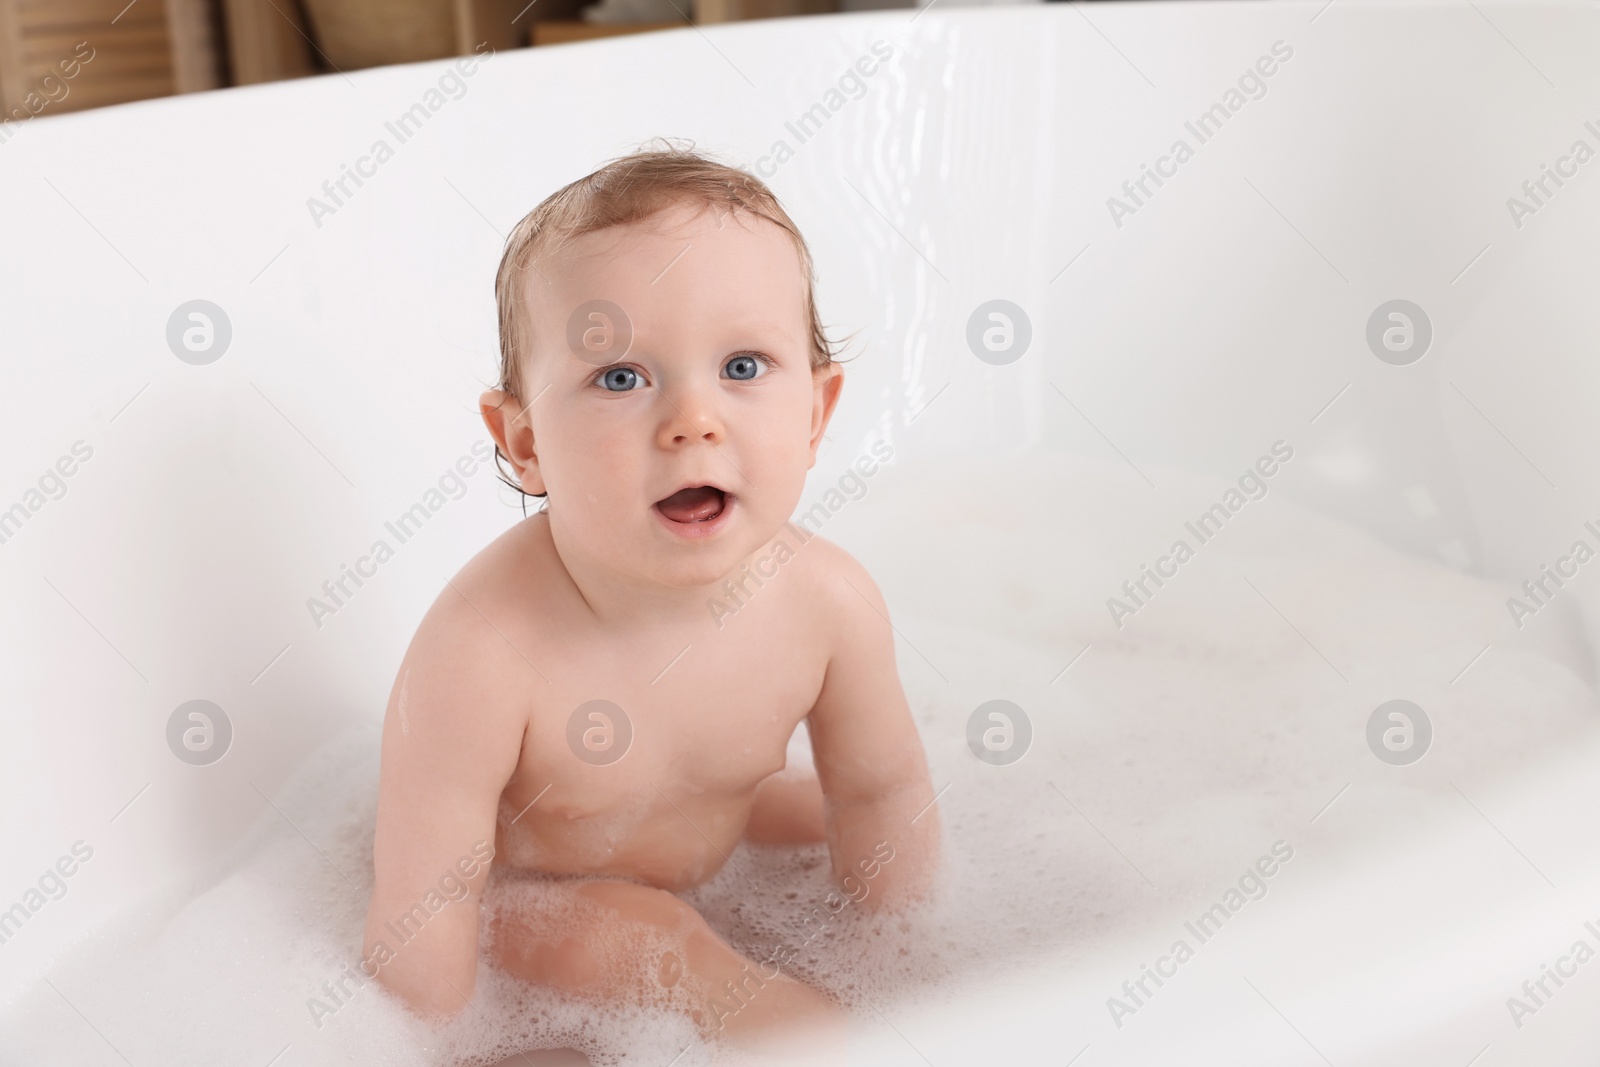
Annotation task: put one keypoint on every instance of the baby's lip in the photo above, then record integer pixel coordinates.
(695, 484)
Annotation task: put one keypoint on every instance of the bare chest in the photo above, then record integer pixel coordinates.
(642, 757)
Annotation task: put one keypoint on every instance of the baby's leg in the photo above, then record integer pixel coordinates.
(787, 811)
(647, 946)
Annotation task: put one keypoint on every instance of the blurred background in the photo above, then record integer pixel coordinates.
(67, 55)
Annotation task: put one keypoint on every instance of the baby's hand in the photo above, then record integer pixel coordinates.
(882, 826)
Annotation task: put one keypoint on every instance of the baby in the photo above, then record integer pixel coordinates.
(579, 695)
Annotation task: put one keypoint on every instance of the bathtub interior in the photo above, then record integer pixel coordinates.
(1168, 353)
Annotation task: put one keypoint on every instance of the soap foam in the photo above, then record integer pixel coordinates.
(1168, 756)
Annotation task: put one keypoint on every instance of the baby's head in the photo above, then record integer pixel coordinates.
(658, 330)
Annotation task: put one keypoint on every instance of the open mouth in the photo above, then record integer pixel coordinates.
(694, 505)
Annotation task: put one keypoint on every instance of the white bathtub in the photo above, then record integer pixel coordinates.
(1186, 329)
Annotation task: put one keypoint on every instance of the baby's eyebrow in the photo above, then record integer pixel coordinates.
(755, 322)
(581, 369)
(763, 328)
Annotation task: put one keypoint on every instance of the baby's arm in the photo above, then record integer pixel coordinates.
(451, 740)
(869, 757)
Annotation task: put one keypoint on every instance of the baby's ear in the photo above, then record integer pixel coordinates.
(507, 419)
(827, 384)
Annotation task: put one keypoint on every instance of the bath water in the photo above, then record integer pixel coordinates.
(1150, 764)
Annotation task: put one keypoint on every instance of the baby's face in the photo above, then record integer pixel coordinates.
(714, 390)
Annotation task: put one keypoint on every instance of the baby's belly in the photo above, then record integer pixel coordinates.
(666, 846)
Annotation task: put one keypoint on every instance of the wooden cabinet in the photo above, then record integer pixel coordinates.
(707, 11)
(272, 39)
(66, 55)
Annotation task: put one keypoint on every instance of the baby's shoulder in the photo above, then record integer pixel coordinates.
(835, 580)
(824, 557)
(488, 596)
(461, 692)
(842, 607)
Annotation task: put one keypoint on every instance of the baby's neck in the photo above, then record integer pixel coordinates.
(622, 601)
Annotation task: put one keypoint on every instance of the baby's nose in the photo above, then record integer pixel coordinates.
(691, 414)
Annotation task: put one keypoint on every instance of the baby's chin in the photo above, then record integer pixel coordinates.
(705, 574)
(661, 555)
(750, 550)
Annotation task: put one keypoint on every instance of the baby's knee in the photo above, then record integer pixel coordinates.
(599, 947)
(632, 902)
(539, 955)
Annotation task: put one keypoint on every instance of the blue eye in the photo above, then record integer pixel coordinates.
(618, 379)
(747, 365)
